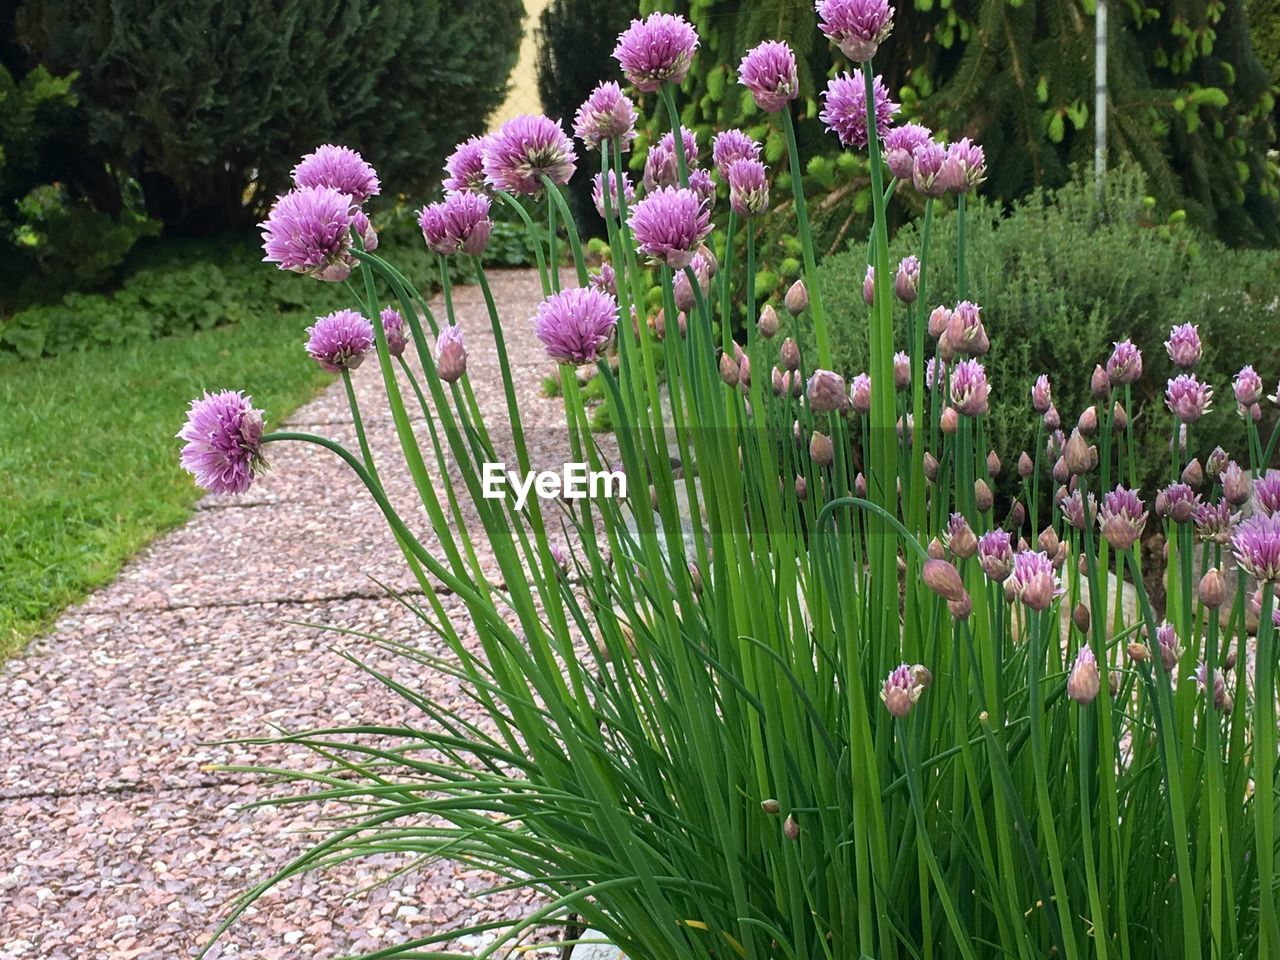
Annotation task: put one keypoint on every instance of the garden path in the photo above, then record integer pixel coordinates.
(118, 840)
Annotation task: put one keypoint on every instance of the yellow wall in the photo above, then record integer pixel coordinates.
(523, 97)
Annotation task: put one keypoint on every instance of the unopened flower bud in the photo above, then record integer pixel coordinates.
(1088, 422)
(869, 286)
(1214, 464)
(922, 675)
(695, 578)
(1083, 683)
(797, 298)
(860, 485)
(1061, 472)
(906, 283)
(1026, 466)
(983, 496)
(771, 806)
(994, 466)
(930, 467)
(728, 370)
(1076, 454)
(901, 371)
(451, 355)
(1236, 485)
(949, 421)
(1100, 383)
(1193, 474)
(960, 609)
(1120, 416)
(943, 578)
(802, 489)
(825, 392)
(936, 550)
(789, 355)
(1080, 617)
(768, 323)
(1213, 588)
(1049, 541)
(1051, 419)
(939, 320)
(821, 449)
(790, 829)
(744, 372)
(1114, 680)
(1229, 661)
(1138, 652)
(1017, 515)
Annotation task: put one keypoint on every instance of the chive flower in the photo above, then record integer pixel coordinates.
(523, 150)
(965, 167)
(1122, 518)
(450, 354)
(459, 223)
(393, 330)
(1237, 488)
(965, 332)
(1215, 522)
(1221, 699)
(223, 448)
(860, 394)
(309, 231)
(465, 167)
(1167, 643)
(597, 192)
(900, 147)
(656, 50)
(576, 325)
(1248, 387)
(748, 188)
(906, 283)
(1183, 346)
(769, 71)
(926, 166)
(1078, 509)
(662, 166)
(995, 554)
(825, 392)
(730, 146)
(901, 690)
(606, 115)
(1042, 394)
(1033, 581)
(1083, 682)
(604, 279)
(340, 168)
(669, 225)
(1125, 363)
(845, 109)
(700, 183)
(969, 388)
(364, 229)
(857, 27)
(1266, 489)
(1188, 398)
(339, 341)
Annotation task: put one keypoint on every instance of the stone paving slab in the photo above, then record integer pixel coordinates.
(118, 842)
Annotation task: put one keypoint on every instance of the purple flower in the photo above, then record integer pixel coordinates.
(1033, 581)
(364, 229)
(700, 182)
(869, 286)
(450, 354)
(995, 554)
(969, 388)
(597, 192)
(654, 50)
(1042, 394)
(926, 165)
(338, 341)
(901, 690)
(340, 168)
(901, 370)
(730, 146)
(825, 392)
(223, 448)
(1078, 510)
(605, 280)
(1248, 387)
(860, 394)
(1183, 346)
(965, 332)
(576, 325)
(857, 27)
(1178, 502)
(1221, 699)
(393, 329)
(523, 150)
(1267, 491)
(959, 537)
(769, 71)
(608, 114)
(465, 166)
(309, 231)
(1236, 485)
(906, 283)
(669, 224)
(965, 167)
(1167, 643)
(1214, 522)
(662, 166)
(748, 188)
(900, 148)
(845, 110)
(1188, 398)
(1083, 683)
(935, 372)
(682, 289)
(1122, 518)
(1124, 364)
(457, 224)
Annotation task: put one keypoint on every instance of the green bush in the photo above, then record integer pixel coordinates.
(1056, 289)
(209, 103)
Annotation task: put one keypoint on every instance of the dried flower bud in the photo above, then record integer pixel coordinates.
(1213, 588)
(797, 298)
(789, 355)
(943, 578)
(994, 466)
(1026, 466)
(922, 675)
(821, 449)
(1138, 652)
(771, 806)
(768, 323)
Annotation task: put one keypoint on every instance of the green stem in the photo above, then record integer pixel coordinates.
(816, 309)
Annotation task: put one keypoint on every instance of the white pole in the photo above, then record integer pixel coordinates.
(1100, 97)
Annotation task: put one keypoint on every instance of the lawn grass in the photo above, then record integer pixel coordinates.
(89, 463)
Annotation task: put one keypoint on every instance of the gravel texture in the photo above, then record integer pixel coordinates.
(119, 841)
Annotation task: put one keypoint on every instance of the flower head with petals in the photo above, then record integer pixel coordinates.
(606, 115)
(524, 150)
(576, 324)
(393, 330)
(339, 341)
(1183, 346)
(900, 147)
(669, 225)
(845, 109)
(926, 167)
(1033, 581)
(857, 27)
(730, 146)
(340, 168)
(1125, 363)
(769, 71)
(1188, 398)
(656, 50)
(464, 168)
(309, 231)
(223, 448)
(459, 223)
(748, 188)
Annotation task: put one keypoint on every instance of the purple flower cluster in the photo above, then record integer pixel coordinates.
(576, 325)
(730, 146)
(223, 448)
(769, 71)
(393, 330)
(669, 225)
(465, 167)
(845, 109)
(524, 150)
(900, 146)
(857, 27)
(340, 168)
(606, 115)
(597, 193)
(748, 188)
(459, 223)
(656, 50)
(339, 341)
(309, 231)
